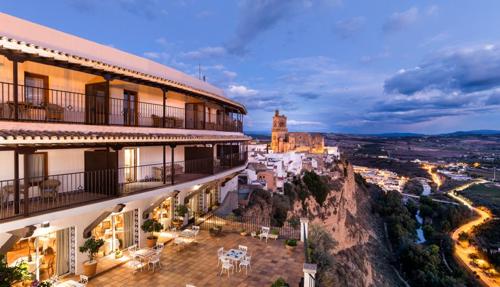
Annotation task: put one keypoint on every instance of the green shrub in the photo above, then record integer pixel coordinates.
(280, 282)
(151, 225)
(11, 275)
(181, 210)
(291, 242)
(91, 247)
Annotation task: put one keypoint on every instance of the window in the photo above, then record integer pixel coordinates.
(36, 89)
(37, 167)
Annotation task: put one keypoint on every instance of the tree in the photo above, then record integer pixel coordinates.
(151, 226)
(91, 247)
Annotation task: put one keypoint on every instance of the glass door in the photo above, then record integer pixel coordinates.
(46, 255)
(130, 164)
(130, 108)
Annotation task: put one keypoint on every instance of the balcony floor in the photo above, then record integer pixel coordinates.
(197, 264)
(70, 199)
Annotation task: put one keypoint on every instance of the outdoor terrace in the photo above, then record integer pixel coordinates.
(196, 264)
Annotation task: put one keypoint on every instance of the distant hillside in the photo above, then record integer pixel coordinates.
(473, 132)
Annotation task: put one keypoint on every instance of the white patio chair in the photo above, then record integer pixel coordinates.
(243, 248)
(190, 285)
(264, 232)
(132, 250)
(84, 280)
(154, 261)
(246, 263)
(136, 264)
(220, 255)
(158, 248)
(196, 230)
(226, 265)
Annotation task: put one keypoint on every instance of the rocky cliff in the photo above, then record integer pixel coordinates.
(360, 257)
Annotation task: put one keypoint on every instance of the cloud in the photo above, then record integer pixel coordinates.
(348, 28)
(400, 20)
(432, 10)
(256, 17)
(454, 82)
(463, 70)
(205, 52)
(304, 123)
(240, 90)
(147, 9)
(309, 95)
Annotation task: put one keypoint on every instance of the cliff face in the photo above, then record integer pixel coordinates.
(361, 256)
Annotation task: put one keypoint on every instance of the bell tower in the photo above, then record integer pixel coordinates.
(279, 132)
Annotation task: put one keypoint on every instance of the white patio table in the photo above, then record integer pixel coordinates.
(235, 255)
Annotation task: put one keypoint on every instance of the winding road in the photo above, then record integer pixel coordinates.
(463, 252)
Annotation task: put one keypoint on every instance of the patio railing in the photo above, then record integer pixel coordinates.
(38, 194)
(60, 106)
(233, 223)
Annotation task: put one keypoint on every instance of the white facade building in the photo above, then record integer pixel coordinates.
(94, 141)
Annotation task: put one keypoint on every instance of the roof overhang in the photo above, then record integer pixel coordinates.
(29, 41)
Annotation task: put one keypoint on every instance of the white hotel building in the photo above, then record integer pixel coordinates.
(94, 140)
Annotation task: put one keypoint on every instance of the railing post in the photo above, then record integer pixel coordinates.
(17, 196)
(310, 274)
(304, 229)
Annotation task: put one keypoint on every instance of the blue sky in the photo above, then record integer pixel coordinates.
(329, 65)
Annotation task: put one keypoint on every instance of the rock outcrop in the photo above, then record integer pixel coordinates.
(361, 255)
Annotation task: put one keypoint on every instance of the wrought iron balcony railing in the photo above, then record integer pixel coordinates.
(59, 106)
(35, 195)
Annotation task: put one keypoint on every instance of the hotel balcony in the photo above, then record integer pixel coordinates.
(35, 104)
(102, 175)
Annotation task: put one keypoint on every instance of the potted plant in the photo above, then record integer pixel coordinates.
(243, 232)
(91, 247)
(180, 211)
(118, 254)
(12, 276)
(45, 283)
(151, 226)
(280, 282)
(215, 230)
(274, 233)
(290, 244)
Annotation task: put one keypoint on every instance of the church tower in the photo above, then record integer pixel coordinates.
(279, 133)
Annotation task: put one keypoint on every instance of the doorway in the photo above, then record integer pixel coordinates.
(130, 164)
(129, 108)
(101, 172)
(97, 101)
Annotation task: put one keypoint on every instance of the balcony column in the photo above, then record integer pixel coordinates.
(231, 154)
(108, 79)
(16, 59)
(164, 168)
(16, 182)
(172, 166)
(15, 81)
(26, 182)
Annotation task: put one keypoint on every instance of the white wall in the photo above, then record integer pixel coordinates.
(231, 185)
